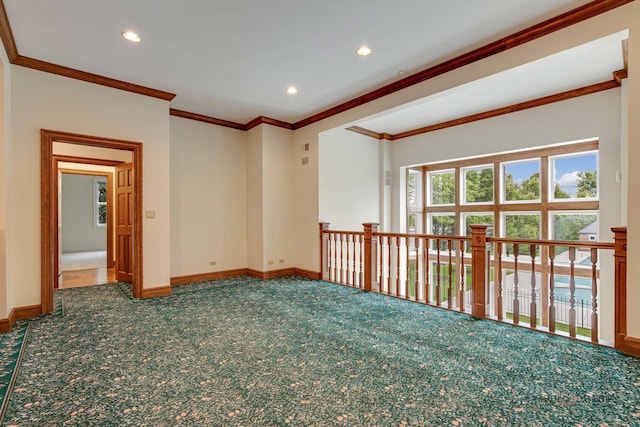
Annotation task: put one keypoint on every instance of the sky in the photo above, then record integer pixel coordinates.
(565, 170)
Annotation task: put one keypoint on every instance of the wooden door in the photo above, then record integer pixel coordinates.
(124, 223)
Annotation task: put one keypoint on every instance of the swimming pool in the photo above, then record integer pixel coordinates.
(582, 292)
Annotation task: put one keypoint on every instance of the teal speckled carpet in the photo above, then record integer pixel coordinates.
(298, 352)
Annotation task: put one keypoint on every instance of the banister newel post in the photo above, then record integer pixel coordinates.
(370, 256)
(324, 251)
(620, 285)
(479, 270)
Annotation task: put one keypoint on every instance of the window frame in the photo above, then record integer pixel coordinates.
(552, 181)
(463, 184)
(544, 205)
(97, 203)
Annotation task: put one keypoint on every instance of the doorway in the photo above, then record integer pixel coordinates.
(50, 200)
(86, 221)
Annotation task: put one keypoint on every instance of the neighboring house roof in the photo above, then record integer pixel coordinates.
(590, 229)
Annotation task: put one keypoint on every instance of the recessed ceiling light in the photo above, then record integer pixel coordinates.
(291, 90)
(131, 36)
(363, 51)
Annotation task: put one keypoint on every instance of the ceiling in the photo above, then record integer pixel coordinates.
(233, 60)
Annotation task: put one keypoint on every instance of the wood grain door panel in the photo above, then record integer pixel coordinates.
(124, 222)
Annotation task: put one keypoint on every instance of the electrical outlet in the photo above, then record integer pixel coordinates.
(281, 261)
(270, 262)
(212, 263)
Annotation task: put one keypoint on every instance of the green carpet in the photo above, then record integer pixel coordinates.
(298, 352)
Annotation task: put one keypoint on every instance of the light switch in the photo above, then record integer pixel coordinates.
(150, 214)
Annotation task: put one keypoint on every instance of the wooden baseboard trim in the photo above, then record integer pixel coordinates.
(161, 291)
(27, 311)
(204, 277)
(313, 275)
(19, 313)
(272, 274)
(632, 346)
(216, 275)
(7, 324)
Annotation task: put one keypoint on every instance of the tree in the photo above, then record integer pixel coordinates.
(559, 193)
(567, 226)
(477, 219)
(479, 185)
(528, 189)
(587, 184)
(443, 225)
(412, 189)
(443, 188)
(522, 226)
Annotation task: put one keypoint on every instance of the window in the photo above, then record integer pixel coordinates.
(574, 176)
(414, 188)
(414, 201)
(442, 188)
(442, 224)
(478, 184)
(544, 193)
(521, 180)
(575, 226)
(100, 198)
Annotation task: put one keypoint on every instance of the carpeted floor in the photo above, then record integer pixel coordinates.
(299, 352)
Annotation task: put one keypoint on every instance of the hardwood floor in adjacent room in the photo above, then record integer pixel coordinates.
(87, 277)
(85, 269)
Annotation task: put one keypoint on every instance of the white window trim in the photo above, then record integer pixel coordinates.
(96, 203)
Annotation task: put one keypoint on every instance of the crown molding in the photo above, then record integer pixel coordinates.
(262, 120)
(586, 90)
(549, 26)
(544, 28)
(15, 58)
(60, 70)
(7, 35)
(206, 119)
(620, 75)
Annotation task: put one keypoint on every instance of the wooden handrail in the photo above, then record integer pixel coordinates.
(426, 236)
(421, 267)
(575, 244)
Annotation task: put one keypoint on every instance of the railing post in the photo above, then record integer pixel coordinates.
(324, 251)
(479, 270)
(370, 256)
(620, 278)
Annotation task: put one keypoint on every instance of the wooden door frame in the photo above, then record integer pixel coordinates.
(110, 229)
(49, 203)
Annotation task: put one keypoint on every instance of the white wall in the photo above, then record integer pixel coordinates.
(591, 116)
(633, 135)
(307, 190)
(208, 198)
(349, 179)
(43, 100)
(270, 187)
(79, 232)
(277, 198)
(255, 249)
(5, 185)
